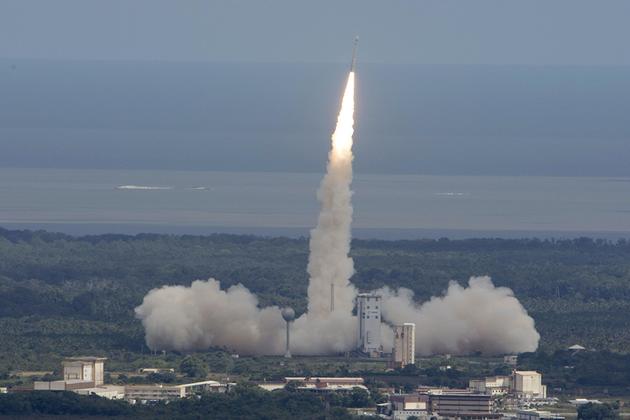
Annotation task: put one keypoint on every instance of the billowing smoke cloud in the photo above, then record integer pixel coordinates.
(478, 318)
(481, 317)
(203, 315)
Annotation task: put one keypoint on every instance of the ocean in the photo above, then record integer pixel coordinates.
(83, 202)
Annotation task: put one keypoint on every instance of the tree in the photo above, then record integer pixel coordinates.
(292, 386)
(162, 377)
(359, 397)
(193, 367)
(592, 411)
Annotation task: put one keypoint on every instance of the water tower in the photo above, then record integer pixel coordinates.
(289, 315)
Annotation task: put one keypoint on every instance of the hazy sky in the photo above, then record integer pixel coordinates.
(445, 87)
(394, 31)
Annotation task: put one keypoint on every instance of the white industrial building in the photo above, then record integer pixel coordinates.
(528, 384)
(537, 415)
(89, 369)
(78, 373)
(369, 314)
(522, 384)
(404, 350)
(492, 385)
(161, 392)
(317, 384)
(403, 406)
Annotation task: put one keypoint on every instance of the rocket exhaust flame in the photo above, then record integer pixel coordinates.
(479, 317)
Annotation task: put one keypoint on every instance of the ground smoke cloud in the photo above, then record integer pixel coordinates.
(480, 317)
(203, 315)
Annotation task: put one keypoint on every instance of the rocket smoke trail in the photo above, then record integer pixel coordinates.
(329, 266)
(466, 319)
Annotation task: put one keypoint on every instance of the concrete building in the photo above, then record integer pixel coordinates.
(581, 401)
(537, 415)
(462, 404)
(369, 314)
(112, 392)
(86, 369)
(404, 406)
(161, 392)
(85, 376)
(404, 350)
(432, 403)
(156, 370)
(151, 393)
(521, 384)
(528, 384)
(317, 384)
(491, 385)
(61, 385)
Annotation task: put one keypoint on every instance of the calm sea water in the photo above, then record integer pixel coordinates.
(386, 206)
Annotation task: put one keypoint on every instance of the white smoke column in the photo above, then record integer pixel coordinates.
(329, 263)
(321, 330)
(481, 317)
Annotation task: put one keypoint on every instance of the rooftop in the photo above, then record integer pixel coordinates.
(85, 359)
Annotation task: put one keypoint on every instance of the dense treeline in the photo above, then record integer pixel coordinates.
(65, 295)
(574, 370)
(245, 402)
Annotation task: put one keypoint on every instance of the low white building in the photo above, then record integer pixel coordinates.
(151, 393)
(492, 385)
(62, 385)
(522, 384)
(156, 370)
(162, 392)
(537, 415)
(112, 392)
(407, 405)
(581, 401)
(317, 384)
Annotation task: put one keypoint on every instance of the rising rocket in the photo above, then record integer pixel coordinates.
(354, 54)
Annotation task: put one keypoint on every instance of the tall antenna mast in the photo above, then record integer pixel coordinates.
(332, 297)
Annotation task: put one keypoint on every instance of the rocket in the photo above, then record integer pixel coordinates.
(354, 54)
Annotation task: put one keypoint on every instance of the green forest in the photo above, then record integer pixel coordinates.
(244, 402)
(62, 295)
